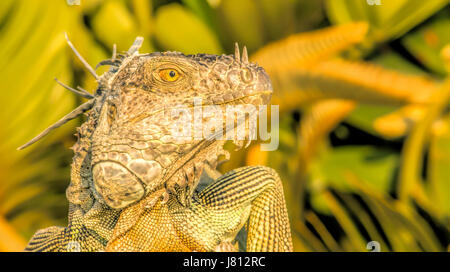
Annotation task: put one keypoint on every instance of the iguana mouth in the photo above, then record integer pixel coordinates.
(265, 96)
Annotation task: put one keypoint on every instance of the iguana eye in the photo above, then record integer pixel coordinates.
(169, 75)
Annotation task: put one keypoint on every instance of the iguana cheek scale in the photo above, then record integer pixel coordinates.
(134, 186)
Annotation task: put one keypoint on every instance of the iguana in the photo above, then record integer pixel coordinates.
(134, 187)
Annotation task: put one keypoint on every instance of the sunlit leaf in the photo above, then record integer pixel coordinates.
(388, 20)
(303, 49)
(427, 42)
(370, 164)
(439, 172)
(122, 27)
(242, 23)
(179, 29)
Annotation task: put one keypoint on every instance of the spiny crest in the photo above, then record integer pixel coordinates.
(237, 54)
(114, 61)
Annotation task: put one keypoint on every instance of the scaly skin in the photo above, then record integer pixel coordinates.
(134, 185)
(249, 195)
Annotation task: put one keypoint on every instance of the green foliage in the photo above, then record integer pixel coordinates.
(389, 20)
(175, 25)
(427, 42)
(439, 187)
(374, 166)
(339, 197)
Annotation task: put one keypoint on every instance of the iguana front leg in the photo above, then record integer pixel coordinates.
(88, 232)
(260, 190)
(250, 196)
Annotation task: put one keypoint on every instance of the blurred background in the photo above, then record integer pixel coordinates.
(362, 86)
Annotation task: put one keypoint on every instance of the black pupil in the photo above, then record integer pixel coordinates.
(172, 73)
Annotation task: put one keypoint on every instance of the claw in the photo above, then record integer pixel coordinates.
(239, 144)
(165, 197)
(226, 154)
(161, 194)
(247, 144)
(151, 203)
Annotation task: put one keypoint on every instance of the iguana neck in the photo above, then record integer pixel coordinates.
(184, 176)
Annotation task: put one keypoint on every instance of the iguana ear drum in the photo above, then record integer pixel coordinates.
(117, 186)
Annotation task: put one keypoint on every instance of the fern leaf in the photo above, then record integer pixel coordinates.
(310, 47)
(369, 83)
(318, 121)
(358, 81)
(399, 122)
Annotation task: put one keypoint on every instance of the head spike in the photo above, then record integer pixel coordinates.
(110, 62)
(114, 54)
(244, 55)
(237, 54)
(88, 67)
(86, 92)
(75, 113)
(136, 45)
(81, 92)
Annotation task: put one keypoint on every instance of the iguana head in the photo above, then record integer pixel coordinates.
(133, 147)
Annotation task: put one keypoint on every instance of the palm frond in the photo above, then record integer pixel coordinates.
(318, 122)
(310, 47)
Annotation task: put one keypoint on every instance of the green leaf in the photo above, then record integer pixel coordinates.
(179, 29)
(364, 115)
(373, 165)
(114, 24)
(394, 61)
(33, 52)
(279, 17)
(426, 44)
(438, 167)
(389, 20)
(242, 21)
(203, 10)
